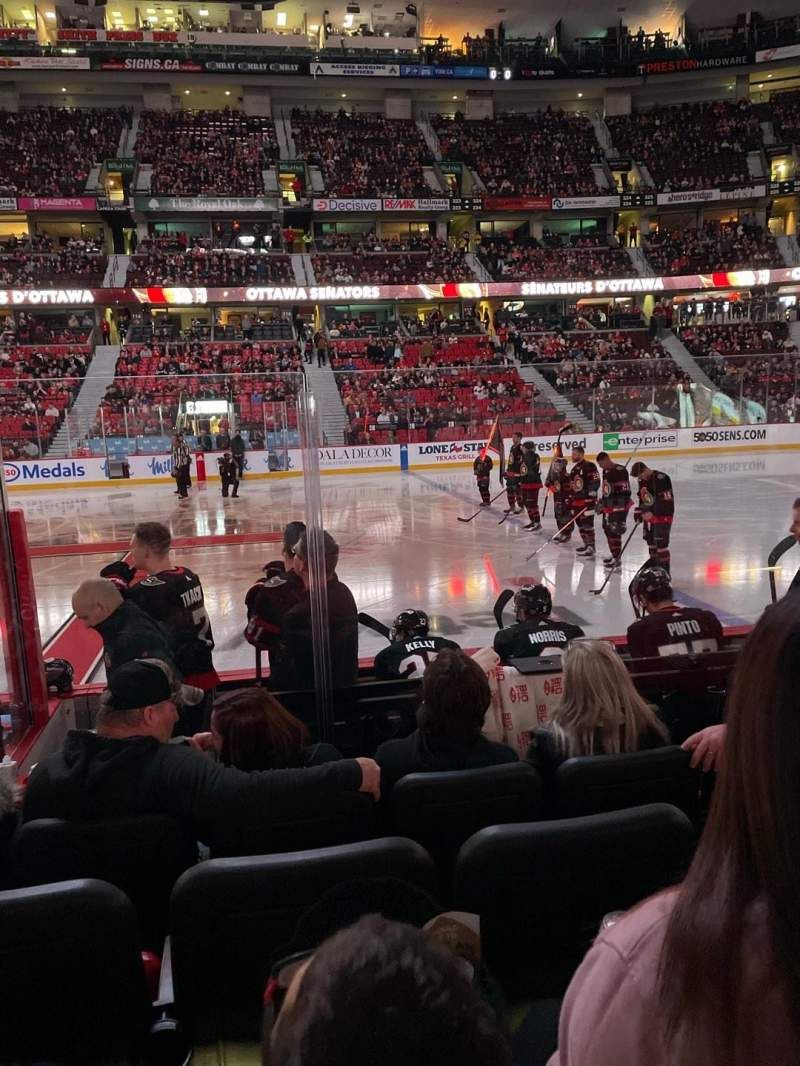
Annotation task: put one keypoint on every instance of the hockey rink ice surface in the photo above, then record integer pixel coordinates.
(402, 547)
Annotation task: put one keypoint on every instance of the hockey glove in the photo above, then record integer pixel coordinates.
(120, 573)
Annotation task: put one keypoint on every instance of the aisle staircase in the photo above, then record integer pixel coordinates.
(640, 262)
(322, 385)
(116, 271)
(567, 412)
(83, 413)
(429, 136)
(675, 347)
(477, 267)
(603, 134)
(790, 252)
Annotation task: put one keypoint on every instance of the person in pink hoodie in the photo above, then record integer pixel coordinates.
(708, 974)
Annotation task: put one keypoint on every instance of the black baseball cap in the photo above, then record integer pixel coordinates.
(145, 682)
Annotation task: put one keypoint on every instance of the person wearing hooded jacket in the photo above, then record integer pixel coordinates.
(128, 767)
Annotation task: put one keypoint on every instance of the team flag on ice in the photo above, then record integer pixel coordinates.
(495, 444)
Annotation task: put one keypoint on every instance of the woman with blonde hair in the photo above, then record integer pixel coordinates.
(601, 713)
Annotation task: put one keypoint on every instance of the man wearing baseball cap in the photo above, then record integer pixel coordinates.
(127, 767)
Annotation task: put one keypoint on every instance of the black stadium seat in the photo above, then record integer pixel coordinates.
(347, 818)
(542, 889)
(228, 915)
(442, 810)
(597, 783)
(142, 856)
(73, 986)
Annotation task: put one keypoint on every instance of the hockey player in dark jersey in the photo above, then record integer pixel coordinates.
(482, 469)
(530, 484)
(585, 485)
(656, 510)
(513, 471)
(173, 595)
(557, 482)
(412, 649)
(665, 628)
(268, 600)
(616, 502)
(535, 633)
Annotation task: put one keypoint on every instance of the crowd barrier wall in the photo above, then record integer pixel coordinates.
(397, 458)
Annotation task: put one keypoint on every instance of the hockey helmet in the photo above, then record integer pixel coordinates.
(408, 624)
(532, 600)
(528, 446)
(274, 568)
(651, 581)
(59, 674)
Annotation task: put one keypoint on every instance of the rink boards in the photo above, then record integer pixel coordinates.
(387, 458)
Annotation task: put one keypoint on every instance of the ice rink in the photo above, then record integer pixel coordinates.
(402, 547)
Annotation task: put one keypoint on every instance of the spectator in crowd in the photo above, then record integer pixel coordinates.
(292, 663)
(363, 153)
(601, 713)
(381, 992)
(546, 153)
(692, 146)
(708, 972)
(206, 153)
(716, 246)
(49, 151)
(128, 767)
(455, 699)
(154, 265)
(523, 257)
(251, 730)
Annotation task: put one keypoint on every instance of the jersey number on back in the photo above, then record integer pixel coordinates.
(416, 663)
(688, 647)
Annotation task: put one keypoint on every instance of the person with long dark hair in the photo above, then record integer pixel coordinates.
(251, 730)
(708, 974)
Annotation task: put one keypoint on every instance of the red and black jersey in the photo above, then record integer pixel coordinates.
(616, 489)
(558, 478)
(409, 658)
(267, 602)
(584, 484)
(175, 598)
(482, 467)
(656, 499)
(530, 471)
(515, 461)
(674, 631)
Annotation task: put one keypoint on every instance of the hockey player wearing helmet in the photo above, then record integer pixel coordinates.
(412, 649)
(558, 482)
(530, 484)
(664, 627)
(534, 633)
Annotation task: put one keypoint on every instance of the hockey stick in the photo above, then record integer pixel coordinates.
(373, 624)
(500, 605)
(635, 450)
(480, 509)
(546, 501)
(780, 548)
(558, 532)
(596, 592)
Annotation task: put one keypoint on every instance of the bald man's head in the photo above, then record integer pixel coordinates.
(95, 600)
